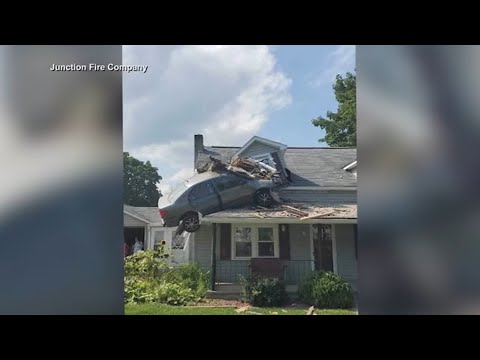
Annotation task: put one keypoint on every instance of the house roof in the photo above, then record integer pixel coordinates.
(274, 144)
(280, 215)
(309, 166)
(149, 214)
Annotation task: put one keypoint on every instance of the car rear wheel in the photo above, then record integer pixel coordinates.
(263, 198)
(191, 223)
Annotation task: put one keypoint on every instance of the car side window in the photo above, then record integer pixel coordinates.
(228, 182)
(201, 190)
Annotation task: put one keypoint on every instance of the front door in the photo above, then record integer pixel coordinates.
(176, 245)
(322, 247)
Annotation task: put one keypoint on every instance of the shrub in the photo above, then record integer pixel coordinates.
(142, 291)
(192, 276)
(149, 279)
(263, 292)
(146, 264)
(326, 290)
(174, 294)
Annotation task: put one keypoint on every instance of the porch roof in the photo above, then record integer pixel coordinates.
(338, 213)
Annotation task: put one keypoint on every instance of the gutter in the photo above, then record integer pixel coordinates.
(320, 188)
(255, 220)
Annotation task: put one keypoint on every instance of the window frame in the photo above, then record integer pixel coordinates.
(255, 241)
(241, 181)
(196, 186)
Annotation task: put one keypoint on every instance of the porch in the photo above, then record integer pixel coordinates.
(228, 249)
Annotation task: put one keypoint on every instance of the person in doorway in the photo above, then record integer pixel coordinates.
(138, 246)
(126, 249)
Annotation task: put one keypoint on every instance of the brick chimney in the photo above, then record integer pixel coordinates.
(198, 147)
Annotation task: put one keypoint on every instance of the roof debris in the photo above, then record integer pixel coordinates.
(298, 211)
(246, 167)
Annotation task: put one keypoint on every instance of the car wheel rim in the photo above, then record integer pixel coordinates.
(264, 198)
(191, 223)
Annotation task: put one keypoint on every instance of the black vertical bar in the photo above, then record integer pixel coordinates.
(214, 257)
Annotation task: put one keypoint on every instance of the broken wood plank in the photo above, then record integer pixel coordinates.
(311, 310)
(317, 216)
(259, 216)
(295, 210)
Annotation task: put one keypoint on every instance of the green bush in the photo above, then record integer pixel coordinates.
(326, 290)
(174, 294)
(148, 278)
(263, 292)
(192, 276)
(146, 264)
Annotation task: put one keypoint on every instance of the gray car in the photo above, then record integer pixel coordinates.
(208, 193)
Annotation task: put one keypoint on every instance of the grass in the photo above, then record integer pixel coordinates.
(160, 309)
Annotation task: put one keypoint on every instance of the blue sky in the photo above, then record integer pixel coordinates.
(311, 69)
(228, 93)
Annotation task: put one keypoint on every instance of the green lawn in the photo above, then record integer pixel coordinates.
(160, 309)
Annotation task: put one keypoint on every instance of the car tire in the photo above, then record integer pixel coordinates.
(190, 222)
(263, 198)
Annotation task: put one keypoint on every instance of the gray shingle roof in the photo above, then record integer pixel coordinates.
(150, 214)
(309, 166)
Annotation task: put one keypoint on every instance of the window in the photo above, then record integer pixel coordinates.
(251, 241)
(201, 191)
(266, 243)
(243, 242)
(322, 247)
(228, 182)
(267, 159)
(179, 241)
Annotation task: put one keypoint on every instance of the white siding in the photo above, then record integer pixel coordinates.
(327, 197)
(257, 148)
(203, 246)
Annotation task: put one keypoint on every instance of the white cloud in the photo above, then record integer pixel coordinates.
(340, 61)
(226, 93)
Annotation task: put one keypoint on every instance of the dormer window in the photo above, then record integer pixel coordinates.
(267, 159)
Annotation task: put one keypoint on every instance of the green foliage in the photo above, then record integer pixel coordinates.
(148, 279)
(174, 294)
(146, 265)
(263, 292)
(326, 290)
(341, 127)
(140, 181)
(191, 276)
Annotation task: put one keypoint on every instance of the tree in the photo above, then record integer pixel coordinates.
(139, 182)
(341, 127)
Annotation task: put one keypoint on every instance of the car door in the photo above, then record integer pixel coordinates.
(234, 191)
(204, 199)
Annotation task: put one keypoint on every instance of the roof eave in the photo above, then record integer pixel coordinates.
(279, 220)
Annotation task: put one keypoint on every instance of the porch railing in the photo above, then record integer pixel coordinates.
(230, 271)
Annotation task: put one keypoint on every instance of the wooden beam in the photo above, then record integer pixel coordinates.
(214, 258)
(317, 216)
(295, 210)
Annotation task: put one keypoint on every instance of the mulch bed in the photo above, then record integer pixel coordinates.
(237, 304)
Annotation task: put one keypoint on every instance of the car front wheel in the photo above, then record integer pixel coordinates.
(191, 223)
(263, 198)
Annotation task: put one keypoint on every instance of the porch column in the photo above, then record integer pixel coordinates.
(214, 257)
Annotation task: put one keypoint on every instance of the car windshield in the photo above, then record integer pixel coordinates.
(177, 192)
